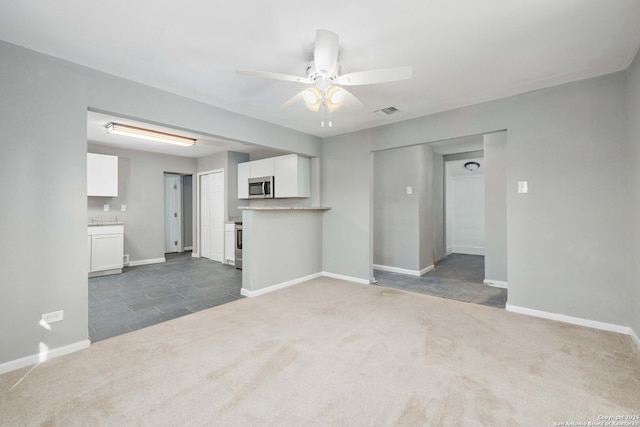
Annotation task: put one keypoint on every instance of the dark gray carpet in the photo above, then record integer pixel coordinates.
(458, 276)
(145, 295)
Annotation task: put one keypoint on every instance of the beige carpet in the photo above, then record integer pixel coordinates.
(333, 353)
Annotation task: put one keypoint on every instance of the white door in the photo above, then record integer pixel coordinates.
(172, 213)
(212, 216)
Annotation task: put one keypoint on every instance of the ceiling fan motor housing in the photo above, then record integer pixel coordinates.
(314, 74)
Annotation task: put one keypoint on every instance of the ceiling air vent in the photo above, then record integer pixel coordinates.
(386, 111)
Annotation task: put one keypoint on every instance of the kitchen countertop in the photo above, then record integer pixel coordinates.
(100, 224)
(283, 208)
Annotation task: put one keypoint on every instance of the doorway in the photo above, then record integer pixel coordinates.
(178, 213)
(434, 225)
(211, 212)
(465, 204)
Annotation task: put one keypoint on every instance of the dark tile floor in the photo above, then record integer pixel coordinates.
(457, 276)
(145, 295)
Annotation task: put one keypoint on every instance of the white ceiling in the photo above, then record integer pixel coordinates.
(462, 51)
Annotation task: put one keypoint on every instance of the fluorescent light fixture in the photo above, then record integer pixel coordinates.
(152, 135)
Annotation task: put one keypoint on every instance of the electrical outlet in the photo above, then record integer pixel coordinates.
(106, 208)
(123, 208)
(54, 316)
(409, 190)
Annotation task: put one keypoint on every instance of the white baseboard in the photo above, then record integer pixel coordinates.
(42, 356)
(496, 283)
(195, 255)
(634, 338)
(449, 250)
(248, 293)
(346, 278)
(147, 261)
(426, 270)
(570, 319)
(468, 250)
(105, 272)
(188, 248)
(403, 270)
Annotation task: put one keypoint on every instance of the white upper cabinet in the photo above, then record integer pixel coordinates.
(260, 168)
(102, 175)
(292, 176)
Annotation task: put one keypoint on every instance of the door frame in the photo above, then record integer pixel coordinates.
(179, 211)
(199, 175)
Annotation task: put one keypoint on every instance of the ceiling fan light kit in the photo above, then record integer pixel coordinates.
(326, 95)
(148, 134)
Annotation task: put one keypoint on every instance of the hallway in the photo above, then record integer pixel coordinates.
(458, 276)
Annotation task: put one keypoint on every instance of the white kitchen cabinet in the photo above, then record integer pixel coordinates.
(106, 249)
(292, 176)
(263, 167)
(102, 175)
(229, 243)
(244, 172)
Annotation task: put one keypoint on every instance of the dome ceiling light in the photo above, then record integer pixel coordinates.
(472, 166)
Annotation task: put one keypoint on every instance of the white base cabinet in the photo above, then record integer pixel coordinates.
(106, 249)
(230, 243)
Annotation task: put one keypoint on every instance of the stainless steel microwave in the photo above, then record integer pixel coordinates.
(261, 188)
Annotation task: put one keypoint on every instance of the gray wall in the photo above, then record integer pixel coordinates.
(495, 205)
(279, 246)
(570, 143)
(232, 183)
(396, 236)
(43, 117)
(439, 244)
(408, 228)
(633, 133)
(426, 206)
(141, 188)
(43, 120)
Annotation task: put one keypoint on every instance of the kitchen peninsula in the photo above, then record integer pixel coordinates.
(282, 246)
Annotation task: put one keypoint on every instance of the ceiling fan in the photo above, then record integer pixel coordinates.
(326, 94)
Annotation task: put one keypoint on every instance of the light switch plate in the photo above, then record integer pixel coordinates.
(123, 208)
(106, 208)
(409, 190)
(523, 187)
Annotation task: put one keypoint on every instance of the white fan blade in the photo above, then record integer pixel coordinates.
(374, 76)
(351, 100)
(325, 52)
(295, 99)
(274, 76)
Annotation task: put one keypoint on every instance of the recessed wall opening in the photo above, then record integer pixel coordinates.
(439, 218)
